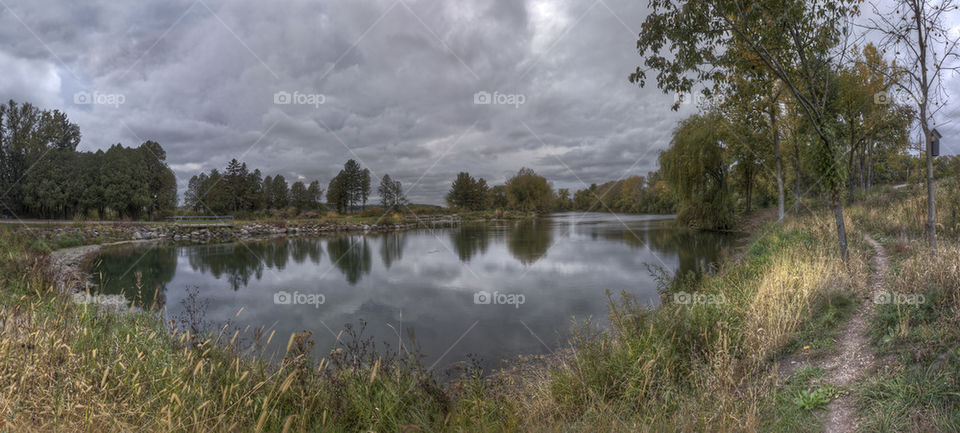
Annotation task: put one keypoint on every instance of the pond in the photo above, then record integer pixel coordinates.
(484, 291)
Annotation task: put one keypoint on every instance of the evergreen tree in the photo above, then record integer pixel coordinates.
(391, 193)
(266, 193)
(364, 187)
(253, 191)
(162, 183)
(298, 196)
(314, 194)
(468, 193)
(337, 194)
(279, 192)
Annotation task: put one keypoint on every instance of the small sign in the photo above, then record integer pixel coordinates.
(935, 142)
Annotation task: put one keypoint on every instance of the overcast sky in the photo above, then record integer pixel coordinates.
(391, 83)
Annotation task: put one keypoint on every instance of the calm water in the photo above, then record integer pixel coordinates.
(488, 291)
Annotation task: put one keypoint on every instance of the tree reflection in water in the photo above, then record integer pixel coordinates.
(529, 240)
(351, 255)
(469, 240)
(140, 276)
(391, 247)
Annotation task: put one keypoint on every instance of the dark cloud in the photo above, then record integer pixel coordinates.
(398, 79)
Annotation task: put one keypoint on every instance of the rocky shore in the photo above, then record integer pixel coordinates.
(187, 233)
(67, 265)
(91, 232)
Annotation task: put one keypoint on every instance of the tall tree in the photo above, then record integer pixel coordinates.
(468, 193)
(337, 193)
(27, 133)
(298, 196)
(266, 193)
(253, 191)
(696, 168)
(126, 189)
(315, 194)
(497, 197)
(161, 182)
(528, 191)
(925, 48)
(352, 180)
(796, 41)
(391, 193)
(279, 192)
(564, 200)
(364, 187)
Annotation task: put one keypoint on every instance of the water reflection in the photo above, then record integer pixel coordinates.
(692, 249)
(351, 255)
(391, 247)
(422, 281)
(470, 240)
(529, 240)
(143, 274)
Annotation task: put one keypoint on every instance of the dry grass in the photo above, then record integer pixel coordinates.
(71, 367)
(700, 367)
(918, 388)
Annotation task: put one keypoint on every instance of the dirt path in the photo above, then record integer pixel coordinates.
(854, 355)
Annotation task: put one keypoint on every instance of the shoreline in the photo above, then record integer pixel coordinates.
(66, 265)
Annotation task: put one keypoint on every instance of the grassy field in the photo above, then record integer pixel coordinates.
(917, 387)
(706, 360)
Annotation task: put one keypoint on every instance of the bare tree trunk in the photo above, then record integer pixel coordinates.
(923, 34)
(861, 169)
(796, 158)
(841, 226)
(869, 166)
(776, 149)
(853, 148)
(931, 203)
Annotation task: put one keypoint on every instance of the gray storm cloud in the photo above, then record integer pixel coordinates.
(397, 78)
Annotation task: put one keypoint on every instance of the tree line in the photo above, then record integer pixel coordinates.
(753, 146)
(237, 189)
(800, 98)
(527, 191)
(43, 175)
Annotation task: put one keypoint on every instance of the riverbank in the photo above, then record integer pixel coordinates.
(706, 360)
(82, 233)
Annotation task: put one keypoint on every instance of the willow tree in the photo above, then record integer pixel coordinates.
(701, 42)
(697, 172)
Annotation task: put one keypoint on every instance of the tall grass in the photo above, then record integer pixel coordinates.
(918, 388)
(700, 366)
(73, 367)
